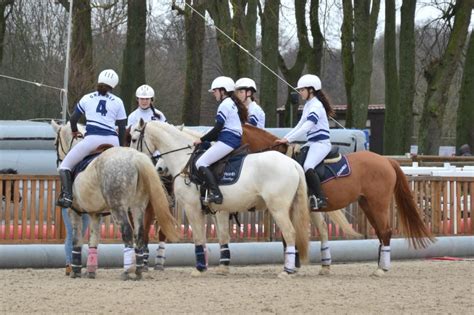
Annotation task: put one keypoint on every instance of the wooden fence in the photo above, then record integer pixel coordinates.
(28, 213)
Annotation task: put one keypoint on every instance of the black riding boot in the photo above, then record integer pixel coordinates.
(314, 188)
(214, 195)
(65, 198)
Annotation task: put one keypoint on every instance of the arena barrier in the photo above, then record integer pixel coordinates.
(111, 255)
(29, 216)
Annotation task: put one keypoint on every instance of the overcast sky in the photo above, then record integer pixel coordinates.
(330, 18)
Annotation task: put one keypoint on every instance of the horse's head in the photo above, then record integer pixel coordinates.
(139, 138)
(64, 139)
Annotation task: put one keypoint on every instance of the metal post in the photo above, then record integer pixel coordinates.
(66, 68)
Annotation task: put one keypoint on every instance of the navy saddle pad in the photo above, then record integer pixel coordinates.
(232, 170)
(330, 171)
(82, 165)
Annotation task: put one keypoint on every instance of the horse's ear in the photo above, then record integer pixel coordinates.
(55, 125)
(141, 123)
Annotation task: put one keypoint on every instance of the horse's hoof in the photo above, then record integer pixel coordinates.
(197, 273)
(76, 275)
(222, 270)
(68, 270)
(285, 275)
(90, 275)
(325, 271)
(125, 276)
(138, 276)
(379, 273)
(159, 267)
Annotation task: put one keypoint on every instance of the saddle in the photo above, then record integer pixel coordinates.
(82, 165)
(226, 170)
(333, 166)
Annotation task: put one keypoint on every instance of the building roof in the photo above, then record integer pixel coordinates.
(343, 107)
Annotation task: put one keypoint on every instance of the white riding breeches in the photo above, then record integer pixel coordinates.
(316, 153)
(84, 148)
(216, 152)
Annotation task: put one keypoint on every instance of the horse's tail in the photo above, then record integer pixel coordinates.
(300, 216)
(411, 223)
(152, 183)
(338, 217)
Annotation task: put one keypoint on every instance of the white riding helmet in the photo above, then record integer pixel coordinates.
(225, 83)
(145, 91)
(245, 83)
(109, 77)
(309, 80)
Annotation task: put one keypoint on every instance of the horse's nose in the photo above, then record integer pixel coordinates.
(162, 170)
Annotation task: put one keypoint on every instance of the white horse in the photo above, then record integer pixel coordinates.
(119, 180)
(278, 186)
(222, 222)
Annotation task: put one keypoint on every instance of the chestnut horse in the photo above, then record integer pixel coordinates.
(373, 182)
(222, 222)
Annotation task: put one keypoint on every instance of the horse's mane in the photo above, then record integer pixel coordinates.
(170, 129)
(259, 131)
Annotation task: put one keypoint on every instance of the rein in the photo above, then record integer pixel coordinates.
(141, 141)
(59, 145)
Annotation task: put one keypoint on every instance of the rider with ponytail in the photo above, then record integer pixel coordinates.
(315, 126)
(227, 132)
(145, 97)
(245, 89)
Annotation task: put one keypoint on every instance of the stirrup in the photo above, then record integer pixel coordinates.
(313, 203)
(64, 202)
(214, 198)
(322, 203)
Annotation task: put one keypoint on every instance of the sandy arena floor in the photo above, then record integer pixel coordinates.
(415, 287)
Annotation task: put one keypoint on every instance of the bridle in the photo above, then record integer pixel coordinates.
(59, 145)
(141, 142)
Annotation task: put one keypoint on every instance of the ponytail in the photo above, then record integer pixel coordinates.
(242, 109)
(324, 100)
(103, 89)
(155, 114)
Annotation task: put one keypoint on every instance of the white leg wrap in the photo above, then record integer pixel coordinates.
(160, 254)
(325, 254)
(384, 259)
(290, 254)
(128, 259)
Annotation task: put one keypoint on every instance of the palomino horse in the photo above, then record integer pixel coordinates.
(119, 180)
(260, 185)
(317, 218)
(373, 182)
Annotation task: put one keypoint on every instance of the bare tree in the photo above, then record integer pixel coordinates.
(268, 95)
(406, 72)
(359, 25)
(5, 11)
(391, 143)
(133, 73)
(194, 37)
(81, 74)
(439, 75)
(465, 117)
